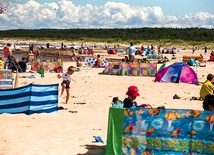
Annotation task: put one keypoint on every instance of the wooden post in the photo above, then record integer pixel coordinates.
(16, 80)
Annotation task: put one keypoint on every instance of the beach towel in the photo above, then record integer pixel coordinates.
(160, 131)
(91, 62)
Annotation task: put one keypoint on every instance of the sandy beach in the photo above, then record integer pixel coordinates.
(70, 132)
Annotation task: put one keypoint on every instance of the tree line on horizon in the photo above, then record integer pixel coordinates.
(117, 34)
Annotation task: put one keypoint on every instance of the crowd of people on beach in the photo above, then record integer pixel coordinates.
(206, 92)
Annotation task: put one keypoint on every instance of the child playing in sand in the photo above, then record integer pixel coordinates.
(66, 80)
(78, 62)
(117, 103)
(132, 94)
(58, 69)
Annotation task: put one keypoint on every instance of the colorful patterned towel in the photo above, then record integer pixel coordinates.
(160, 132)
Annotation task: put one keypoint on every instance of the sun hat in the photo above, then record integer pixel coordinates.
(132, 91)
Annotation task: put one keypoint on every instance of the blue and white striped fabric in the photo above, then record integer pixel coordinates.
(30, 99)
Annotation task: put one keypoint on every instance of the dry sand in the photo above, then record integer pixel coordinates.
(68, 133)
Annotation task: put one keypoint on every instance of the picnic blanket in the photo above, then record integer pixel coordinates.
(91, 62)
(160, 131)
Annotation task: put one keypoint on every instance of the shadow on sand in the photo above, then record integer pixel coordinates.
(93, 150)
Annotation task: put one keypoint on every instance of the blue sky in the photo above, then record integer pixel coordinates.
(111, 14)
(170, 7)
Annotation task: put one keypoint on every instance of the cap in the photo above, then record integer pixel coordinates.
(132, 91)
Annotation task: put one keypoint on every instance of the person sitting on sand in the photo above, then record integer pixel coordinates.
(145, 60)
(207, 87)
(208, 103)
(58, 69)
(132, 94)
(98, 63)
(22, 64)
(173, 56)
(117, 103)
(126, 59)
(78, 62)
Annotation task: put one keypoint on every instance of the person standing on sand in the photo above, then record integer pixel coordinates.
(7, 51)
(66, 80)
(58, 56)
(205, 49)
(131, 51)
(193, 49)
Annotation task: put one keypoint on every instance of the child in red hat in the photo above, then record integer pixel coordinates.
(132, 94)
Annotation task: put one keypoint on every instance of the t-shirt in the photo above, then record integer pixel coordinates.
(191, 62)
(196, 63)
(132, 50)
(23, 65)
(128, 103)
(66, 77)
(206, 89)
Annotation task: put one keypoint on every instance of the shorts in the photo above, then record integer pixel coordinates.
(67, 84)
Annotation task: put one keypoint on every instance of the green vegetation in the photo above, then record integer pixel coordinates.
(158, 36)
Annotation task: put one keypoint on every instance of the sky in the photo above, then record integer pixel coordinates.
(65, 14)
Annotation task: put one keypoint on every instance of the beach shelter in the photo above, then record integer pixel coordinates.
(112, 51)
(177, 72)
(166, 64)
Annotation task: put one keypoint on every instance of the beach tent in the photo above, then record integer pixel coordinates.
(112, 51)
(177, 72)
(147, 131)
(166, 64)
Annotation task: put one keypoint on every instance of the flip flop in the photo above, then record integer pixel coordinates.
(98, 139)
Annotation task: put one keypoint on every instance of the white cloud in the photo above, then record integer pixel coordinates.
(65, 14)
